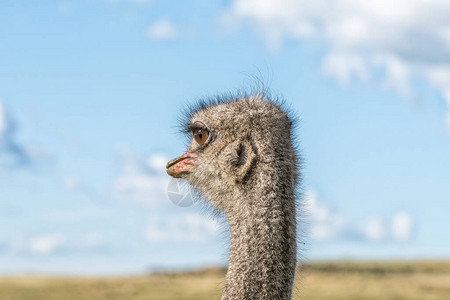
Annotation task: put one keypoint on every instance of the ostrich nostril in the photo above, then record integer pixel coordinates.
(181, 165)
(175, 161)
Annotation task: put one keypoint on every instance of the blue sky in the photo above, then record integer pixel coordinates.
(90, 92)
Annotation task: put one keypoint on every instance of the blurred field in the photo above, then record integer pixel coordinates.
(343, 280)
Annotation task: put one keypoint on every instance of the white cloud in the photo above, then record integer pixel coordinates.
(142, 181)
(401, 40)
(373, 229)
(157, 162)
(324, 223)
(54, 243)
(181, 227)
(275, 20)
(75, 184)
(328, 224)
(402, 226)
(345, 67)
(93, 240)
(71, 183)
(398, 229)
(46, 244)
(162, 30)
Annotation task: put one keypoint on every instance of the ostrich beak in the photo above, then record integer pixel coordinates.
(181, 165)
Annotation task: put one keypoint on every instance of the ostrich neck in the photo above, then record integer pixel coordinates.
(263, 249)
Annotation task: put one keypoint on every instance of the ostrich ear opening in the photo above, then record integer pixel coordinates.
(244, 160)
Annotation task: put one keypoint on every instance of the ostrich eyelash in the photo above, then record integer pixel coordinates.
(192, 127)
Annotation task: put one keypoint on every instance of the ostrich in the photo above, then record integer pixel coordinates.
(242, 160)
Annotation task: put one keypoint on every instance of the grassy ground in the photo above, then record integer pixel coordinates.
(344, 280)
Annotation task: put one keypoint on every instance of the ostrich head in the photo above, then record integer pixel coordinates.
(233, 142)
(242, 159)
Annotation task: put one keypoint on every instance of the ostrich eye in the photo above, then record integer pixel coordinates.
(200, 136)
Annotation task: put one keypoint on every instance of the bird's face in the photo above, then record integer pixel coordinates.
(219, 154)
(185, 164)
(217, 159)
(216, 149)
(232, 147)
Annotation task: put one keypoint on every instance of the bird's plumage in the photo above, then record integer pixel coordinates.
(248, 168)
